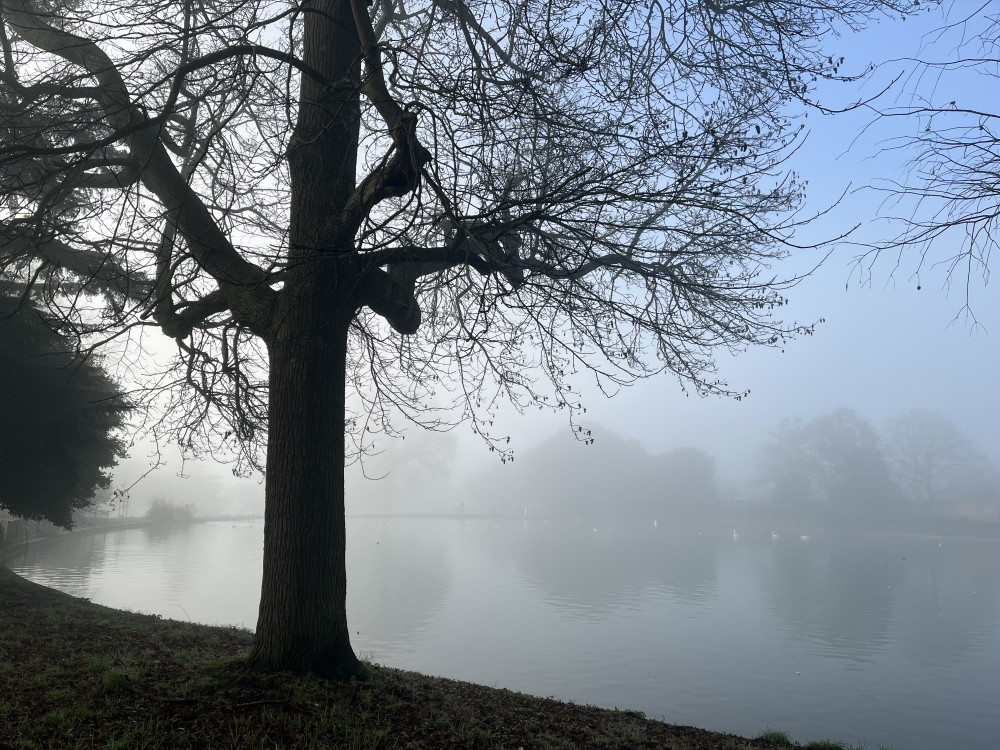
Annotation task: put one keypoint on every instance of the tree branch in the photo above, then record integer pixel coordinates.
(179, 325)
(244, 283)
(89, 264)
(399, 173)
(391, 295)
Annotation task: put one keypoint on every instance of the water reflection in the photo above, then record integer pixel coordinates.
(838, 590)
(398, 576)
(855, 595)
(210, 572)
(949, 604)
(206, 572)
(597, 571)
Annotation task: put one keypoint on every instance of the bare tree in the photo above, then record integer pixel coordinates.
(946, 204)
(931, 460)
(437, 204)
(831, 467)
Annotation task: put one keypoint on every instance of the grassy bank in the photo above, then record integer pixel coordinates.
(77, 675)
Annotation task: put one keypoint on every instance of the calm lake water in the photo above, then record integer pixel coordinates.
(888, 640)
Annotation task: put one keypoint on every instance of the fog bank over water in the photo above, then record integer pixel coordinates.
(882, 352)
(916, 472)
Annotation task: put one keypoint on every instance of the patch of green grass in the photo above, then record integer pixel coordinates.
(777, 737)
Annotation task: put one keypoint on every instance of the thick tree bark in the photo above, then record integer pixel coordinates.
(302, 624)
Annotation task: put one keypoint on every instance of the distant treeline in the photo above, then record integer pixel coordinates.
(609, 478)
(838, 467)
(835, 468)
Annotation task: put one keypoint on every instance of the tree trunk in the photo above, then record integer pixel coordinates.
(302, 624)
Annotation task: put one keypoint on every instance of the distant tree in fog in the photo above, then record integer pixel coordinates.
(164, 513)
(59, 420)
(565, 478)
(412, 475)
(610, 478)
(686, 481)
(931, 460)
(830, 467)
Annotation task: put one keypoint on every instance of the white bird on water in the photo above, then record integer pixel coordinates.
(774, 535)
(735, 535)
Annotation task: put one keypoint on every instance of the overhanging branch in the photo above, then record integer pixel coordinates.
(243, 283)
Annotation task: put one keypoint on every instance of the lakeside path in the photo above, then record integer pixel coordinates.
(78, 675)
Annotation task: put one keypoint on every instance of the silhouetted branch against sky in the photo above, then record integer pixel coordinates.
(945, 205)
(540, 187)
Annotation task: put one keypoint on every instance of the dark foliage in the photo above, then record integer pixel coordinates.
(59, 415)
